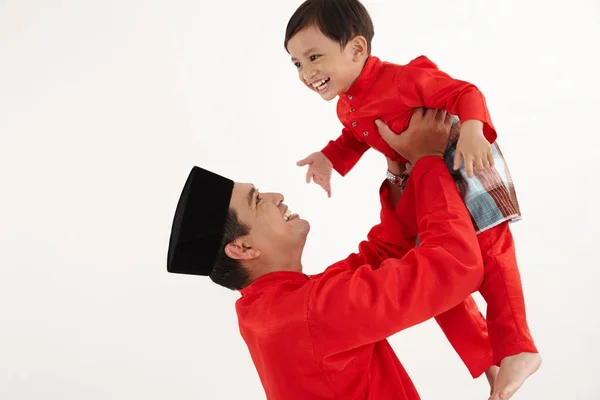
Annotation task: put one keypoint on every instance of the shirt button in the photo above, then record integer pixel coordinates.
(354, 124)
(350, 97)
(352, 110)
(365, 133)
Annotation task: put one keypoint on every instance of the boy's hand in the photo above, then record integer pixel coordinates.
(319, 170)
(473, 148)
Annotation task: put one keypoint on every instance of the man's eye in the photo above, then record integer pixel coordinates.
(297, 64)
(314, 57)
(258, 199)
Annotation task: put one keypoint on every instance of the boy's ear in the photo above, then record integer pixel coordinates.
(359, 48)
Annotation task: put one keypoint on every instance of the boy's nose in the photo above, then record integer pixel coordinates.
(309, 75)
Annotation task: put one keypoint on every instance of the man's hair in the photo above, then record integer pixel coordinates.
(339, 20)
(227, 271)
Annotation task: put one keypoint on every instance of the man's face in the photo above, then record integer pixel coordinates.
(323, 66)
(274, 231)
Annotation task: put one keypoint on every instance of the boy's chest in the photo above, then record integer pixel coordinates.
(359, 118)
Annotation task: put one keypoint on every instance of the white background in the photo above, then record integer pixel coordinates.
(106, 105)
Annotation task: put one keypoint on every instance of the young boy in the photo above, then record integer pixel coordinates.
(330, 45)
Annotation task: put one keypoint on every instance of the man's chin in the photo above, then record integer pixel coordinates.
(305, 224)
(301, 227)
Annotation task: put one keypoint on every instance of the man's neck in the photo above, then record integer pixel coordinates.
(263, 267)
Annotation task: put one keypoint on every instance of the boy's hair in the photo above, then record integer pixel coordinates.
(227, 271)
(339, 20)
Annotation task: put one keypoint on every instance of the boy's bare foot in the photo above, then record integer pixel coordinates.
(514, 370)
(491, 375)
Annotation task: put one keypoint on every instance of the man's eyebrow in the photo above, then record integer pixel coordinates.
(251, 196)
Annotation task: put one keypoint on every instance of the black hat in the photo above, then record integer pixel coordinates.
(197, 229)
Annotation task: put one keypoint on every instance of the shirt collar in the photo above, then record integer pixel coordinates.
(366, 79)
(271, 279)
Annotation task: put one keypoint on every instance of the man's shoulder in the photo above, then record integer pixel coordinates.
(284, 300)
(324, 283)
(275, 313)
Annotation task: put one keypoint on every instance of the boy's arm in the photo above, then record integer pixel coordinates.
(422, 84)
(344, 152)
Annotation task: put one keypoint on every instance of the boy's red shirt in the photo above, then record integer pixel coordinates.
(391, 92)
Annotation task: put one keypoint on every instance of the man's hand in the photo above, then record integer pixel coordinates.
(473, 148)
(426, 135)
(319, 170)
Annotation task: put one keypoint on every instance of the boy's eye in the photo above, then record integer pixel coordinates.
(314, 57)
(258, 199)
(297, 64)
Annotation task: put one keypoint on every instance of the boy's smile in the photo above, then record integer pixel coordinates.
(320, 85)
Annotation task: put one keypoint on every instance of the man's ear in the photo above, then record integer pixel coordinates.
(359, 48)
(238, 250)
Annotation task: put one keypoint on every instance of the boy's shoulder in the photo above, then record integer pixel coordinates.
(421, 62)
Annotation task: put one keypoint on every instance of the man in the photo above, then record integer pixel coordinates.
(324, 336)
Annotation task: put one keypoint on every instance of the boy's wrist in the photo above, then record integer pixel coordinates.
(471, 127)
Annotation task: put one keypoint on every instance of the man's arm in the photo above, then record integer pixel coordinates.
(344, 152)
(391, 238)
(354, 307)
(464, 326)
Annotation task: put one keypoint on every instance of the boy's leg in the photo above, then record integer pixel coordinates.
(513, 346)
(466, 330)
(501, 289)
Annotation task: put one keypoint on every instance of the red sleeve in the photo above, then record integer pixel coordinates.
(391, 238)
(464, 326)
(355, 307)
(423, 84)
(345, 151)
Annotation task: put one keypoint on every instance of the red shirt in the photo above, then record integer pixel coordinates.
(391, 92)
(324, 337)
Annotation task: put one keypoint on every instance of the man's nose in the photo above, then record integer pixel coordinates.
(275, 198)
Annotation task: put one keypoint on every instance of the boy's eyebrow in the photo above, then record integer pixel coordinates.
(307, 52)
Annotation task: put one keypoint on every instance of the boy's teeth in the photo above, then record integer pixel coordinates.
(319, 83)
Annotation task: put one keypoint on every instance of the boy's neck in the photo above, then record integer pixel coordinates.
(363, 63)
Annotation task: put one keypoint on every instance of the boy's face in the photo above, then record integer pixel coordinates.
(323, 66)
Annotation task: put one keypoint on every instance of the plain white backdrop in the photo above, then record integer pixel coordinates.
(106, 105)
